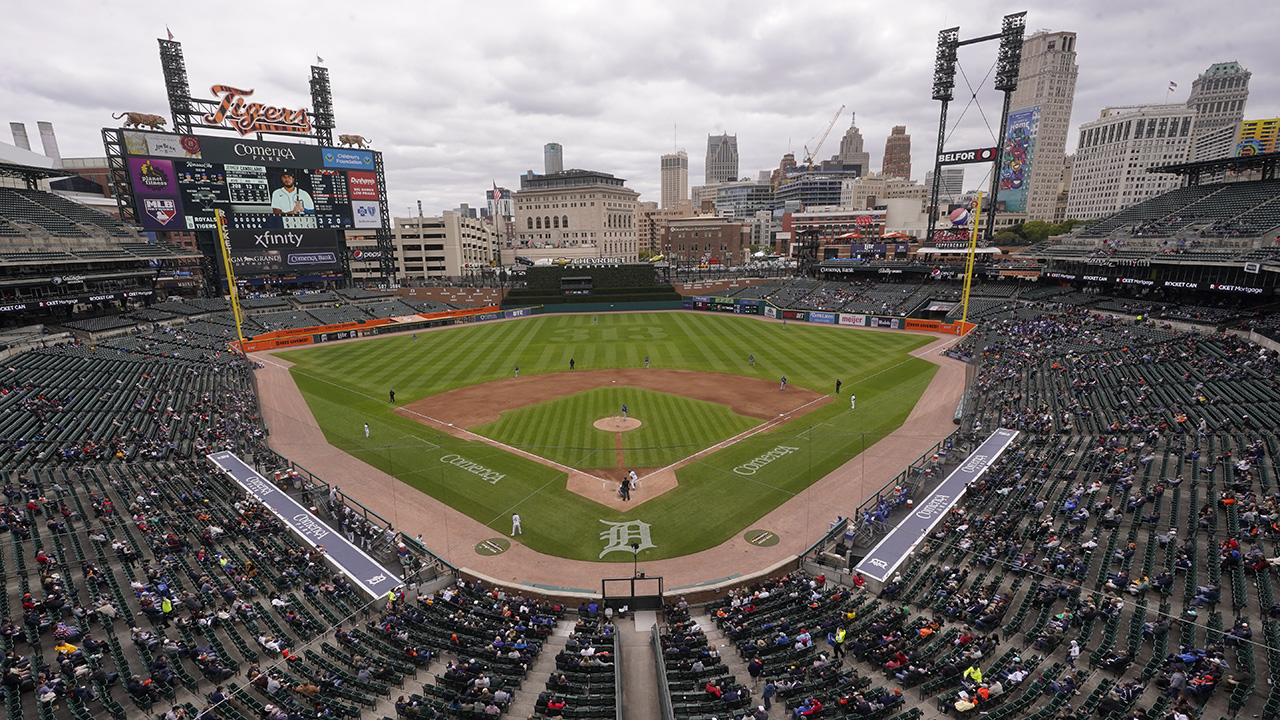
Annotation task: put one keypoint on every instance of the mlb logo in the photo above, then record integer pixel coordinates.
(162, 210)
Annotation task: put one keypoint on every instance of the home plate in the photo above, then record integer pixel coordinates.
(617, 423)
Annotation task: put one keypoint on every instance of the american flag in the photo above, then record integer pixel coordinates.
(1172, 86)
(170, 32)
(497, 194)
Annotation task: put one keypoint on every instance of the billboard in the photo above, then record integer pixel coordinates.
(301, 251)
(180, 180)
(1015, 166)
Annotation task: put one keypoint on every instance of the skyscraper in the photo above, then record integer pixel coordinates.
(722, 158)
(897, 154)
(675, 179)
(851, 152)
(1040, 114)
(552, 158)
(1217, 97)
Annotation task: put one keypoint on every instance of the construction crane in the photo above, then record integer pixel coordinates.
(809, 154)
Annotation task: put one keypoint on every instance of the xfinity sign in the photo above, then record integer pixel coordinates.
(267, 252)
(961, 157)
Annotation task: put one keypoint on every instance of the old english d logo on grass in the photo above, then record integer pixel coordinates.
(619, 537)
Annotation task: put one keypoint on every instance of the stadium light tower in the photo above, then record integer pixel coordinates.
(1008, 64)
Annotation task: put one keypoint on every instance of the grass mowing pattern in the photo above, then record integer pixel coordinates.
(346, 385)
(673, 427)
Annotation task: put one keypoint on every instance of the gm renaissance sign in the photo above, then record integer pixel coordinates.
(363, 570)
(884, 558)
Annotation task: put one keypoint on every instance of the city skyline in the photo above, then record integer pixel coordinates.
(477, 105)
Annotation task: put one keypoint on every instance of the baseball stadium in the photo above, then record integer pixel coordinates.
(1014, 485)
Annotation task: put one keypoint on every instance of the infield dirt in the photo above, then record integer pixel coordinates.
(456, 410)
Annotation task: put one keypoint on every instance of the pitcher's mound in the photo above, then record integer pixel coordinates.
(617, 424)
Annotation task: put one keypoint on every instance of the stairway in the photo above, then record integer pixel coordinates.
(535, 681)
(728, 650)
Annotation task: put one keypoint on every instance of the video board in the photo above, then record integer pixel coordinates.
(180, 180)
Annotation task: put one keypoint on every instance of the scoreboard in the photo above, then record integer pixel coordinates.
(179, 181)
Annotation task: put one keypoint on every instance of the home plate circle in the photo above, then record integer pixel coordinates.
(617, 424)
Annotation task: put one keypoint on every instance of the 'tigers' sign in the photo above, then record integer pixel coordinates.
(248, 118)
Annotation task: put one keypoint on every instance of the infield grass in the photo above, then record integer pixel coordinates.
(346, 385)
(672, 428)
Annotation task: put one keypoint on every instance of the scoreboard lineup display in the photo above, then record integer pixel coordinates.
(180, 180)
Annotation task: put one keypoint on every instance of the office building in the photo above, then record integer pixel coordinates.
(722, 158)
(897, 154)
(1215, 144)
(652, 220)
(1064, 189)
(851, 155)
(448, 245)
(811, 189)
(1114, 152)
(865, 193)
(703, 198)
(1218, 97)
(675, 179)
(949, 189)
(577, 209)
(706, 241)
(742, 199)
(552, 158)
(1039, 117)
(503, 205)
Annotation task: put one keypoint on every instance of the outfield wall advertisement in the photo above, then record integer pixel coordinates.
(758, 307)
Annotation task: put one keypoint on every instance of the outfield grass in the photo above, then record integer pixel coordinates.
(346, 385)
(672, 428)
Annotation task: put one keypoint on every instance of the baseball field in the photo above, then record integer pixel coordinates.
(549, 445)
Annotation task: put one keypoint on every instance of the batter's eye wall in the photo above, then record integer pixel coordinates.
(546, 278)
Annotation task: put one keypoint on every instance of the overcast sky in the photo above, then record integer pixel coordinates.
(458, 95)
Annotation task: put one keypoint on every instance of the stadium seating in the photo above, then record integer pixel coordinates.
(15, 207)
(78, 213)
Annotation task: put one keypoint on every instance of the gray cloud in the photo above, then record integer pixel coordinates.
(460, 95)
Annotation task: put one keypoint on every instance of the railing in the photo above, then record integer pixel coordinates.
(664, 688)
(617, 674)
(863, 526)
(312, 483)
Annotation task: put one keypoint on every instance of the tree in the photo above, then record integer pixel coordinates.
(1038, 230)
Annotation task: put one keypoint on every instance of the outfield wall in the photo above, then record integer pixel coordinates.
(348, 330)
(753, 306)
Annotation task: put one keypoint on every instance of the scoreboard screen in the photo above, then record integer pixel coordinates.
(180, 180)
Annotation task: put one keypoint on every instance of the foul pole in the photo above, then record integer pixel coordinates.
(225, 244)
(968, 270)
